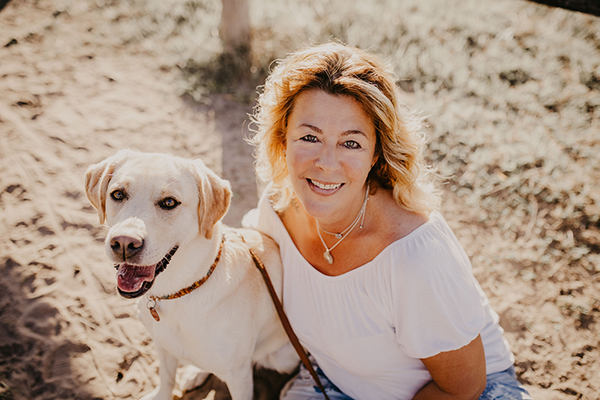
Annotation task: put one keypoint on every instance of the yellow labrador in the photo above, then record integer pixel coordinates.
(201, 298)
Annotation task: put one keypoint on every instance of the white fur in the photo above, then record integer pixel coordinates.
(228, 324)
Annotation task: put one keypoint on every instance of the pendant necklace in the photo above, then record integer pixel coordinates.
(343, 234)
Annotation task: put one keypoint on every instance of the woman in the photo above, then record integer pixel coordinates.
(376, 285)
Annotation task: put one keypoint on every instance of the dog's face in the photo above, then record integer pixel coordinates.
(153, 204)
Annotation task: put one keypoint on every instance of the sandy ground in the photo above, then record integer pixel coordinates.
(513, 123)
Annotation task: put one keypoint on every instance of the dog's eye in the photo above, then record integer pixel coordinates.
(168, 204)
(118, 195)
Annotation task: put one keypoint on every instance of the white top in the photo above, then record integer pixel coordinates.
(369, 328)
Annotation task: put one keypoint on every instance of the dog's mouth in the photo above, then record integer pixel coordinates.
(135, 280)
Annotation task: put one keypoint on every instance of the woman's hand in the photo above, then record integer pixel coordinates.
(457, 374)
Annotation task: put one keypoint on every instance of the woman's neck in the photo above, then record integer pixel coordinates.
(385, 222)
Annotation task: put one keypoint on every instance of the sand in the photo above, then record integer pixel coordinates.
(81, 79)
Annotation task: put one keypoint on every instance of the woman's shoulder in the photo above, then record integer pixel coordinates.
(424, 243)
(263, 218)
(390, 222)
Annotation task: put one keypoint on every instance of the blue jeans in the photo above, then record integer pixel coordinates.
(500, 386)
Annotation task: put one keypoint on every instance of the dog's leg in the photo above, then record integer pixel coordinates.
(239, 382)
(167, 371)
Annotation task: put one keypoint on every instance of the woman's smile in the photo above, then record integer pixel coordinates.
(324, 186)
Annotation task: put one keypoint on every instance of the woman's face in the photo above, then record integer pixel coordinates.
(330, 147)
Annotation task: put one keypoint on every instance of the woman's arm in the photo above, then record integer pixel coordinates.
(457, 374)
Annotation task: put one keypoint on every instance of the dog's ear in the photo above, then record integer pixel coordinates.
(97, 178)
(215, 198)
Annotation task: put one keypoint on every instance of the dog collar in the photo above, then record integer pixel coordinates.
(153, 299)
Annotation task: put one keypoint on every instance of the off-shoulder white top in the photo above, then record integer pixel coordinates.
(369, 328)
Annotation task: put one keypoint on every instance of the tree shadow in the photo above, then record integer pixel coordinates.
(226, 86)
(231, 120)
(233, 72)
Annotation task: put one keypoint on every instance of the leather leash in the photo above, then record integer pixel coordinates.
(284, 320)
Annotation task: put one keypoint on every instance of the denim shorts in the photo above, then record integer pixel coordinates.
(500, 386)
(504, 386)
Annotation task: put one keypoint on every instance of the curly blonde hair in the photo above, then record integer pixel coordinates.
(345, 71)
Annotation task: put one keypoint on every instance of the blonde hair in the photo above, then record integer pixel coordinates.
(346, 71)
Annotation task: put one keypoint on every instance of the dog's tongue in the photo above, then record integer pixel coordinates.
(131, 277)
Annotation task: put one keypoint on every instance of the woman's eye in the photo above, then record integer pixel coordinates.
(168, 204)
(351, 144)
(309, 138)
(118, 195)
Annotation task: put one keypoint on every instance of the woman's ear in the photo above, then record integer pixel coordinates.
(375, 159)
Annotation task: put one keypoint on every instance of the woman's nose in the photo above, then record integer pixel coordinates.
(327, 159)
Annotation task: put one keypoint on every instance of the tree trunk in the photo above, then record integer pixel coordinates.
(235, 26)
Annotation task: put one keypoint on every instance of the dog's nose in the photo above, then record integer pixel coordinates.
(126, 246)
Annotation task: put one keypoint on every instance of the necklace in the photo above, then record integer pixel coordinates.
(343, 234)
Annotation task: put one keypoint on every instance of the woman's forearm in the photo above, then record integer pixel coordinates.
(433, 391)
(458, 374)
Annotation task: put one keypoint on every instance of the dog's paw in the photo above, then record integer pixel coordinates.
(190, 377)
